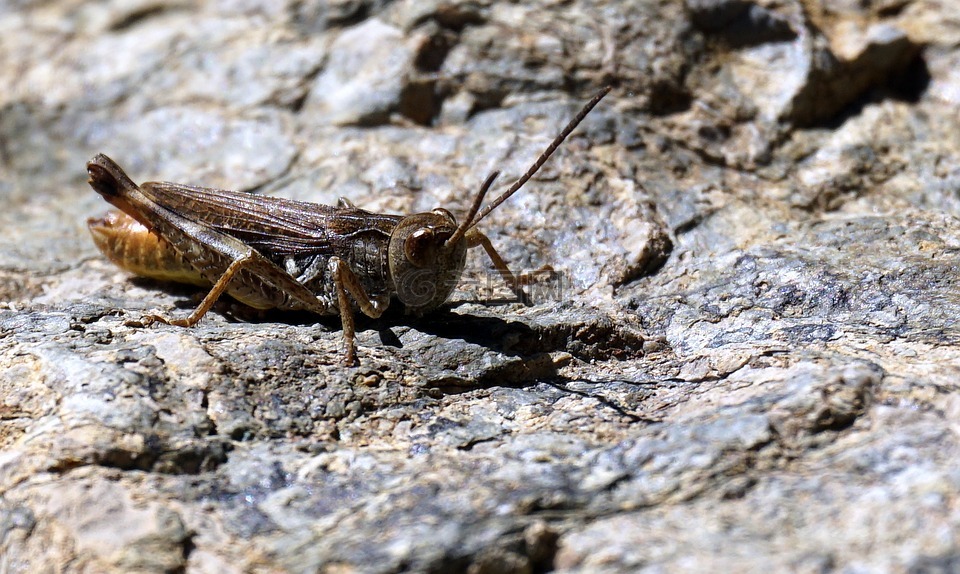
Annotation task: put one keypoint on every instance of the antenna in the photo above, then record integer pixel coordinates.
(459, 233)
(542, 159)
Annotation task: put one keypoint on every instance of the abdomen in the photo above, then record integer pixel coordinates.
(134, 248)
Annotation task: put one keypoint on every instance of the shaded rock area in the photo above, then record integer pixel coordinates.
(749, 359)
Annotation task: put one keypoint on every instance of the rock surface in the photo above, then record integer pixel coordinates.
(749, 361)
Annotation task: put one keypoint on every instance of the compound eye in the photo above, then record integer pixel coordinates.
(420, 247)
(445, 214)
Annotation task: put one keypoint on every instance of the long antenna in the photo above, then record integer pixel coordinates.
(484, 188)
(543, 156)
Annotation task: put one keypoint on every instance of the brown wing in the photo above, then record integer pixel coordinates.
(271, 225)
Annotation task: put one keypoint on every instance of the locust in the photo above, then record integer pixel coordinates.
(274, 253)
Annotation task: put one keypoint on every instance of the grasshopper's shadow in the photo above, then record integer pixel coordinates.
(509, 337)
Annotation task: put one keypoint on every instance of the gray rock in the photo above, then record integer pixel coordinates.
(363, 79)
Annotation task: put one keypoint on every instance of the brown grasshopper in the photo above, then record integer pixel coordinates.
(269, 252)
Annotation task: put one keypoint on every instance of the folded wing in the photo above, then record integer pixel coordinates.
(271, 225)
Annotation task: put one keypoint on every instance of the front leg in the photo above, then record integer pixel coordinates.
(346, 281)
(514, 282)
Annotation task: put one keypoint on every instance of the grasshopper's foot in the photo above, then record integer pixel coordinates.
(143, 321)
(545, 273)
(350, 353)
(151, 318)
(350, 360)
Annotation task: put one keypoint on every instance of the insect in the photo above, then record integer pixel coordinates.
(269, 252)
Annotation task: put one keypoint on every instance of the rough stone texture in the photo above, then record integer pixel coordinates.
(750, 361)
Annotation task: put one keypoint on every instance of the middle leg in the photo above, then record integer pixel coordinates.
(346, 281)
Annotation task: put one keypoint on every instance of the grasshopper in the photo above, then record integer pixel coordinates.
(269, 252)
